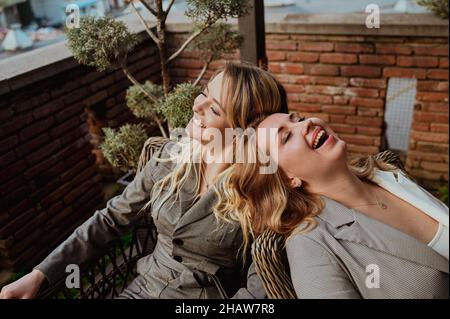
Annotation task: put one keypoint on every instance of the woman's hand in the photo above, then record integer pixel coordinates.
(26, 287)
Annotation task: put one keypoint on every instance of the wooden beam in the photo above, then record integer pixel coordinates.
(253, 29)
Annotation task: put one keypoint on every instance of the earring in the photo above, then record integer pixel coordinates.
(296, 182)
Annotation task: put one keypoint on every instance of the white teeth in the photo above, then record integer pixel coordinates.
(316, 141)
(198, 122)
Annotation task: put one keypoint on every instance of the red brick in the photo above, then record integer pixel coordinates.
(432, 166)
(369, 83)
(430, 117)
(417, 61)
(434, 107)
(433, 86)
(438, 74)
(354, 47)
(287, 68)
(96, 98)
(281, 46)
(274, 56)
(429, 136)
(361, 71)
(64, 88)
(338, 58)
(47, 109)
(443, 63)
(31, 102)
(334, 109)
(358, 139)
(377, 59)
(342, 128)
(439, 50)
(35, 170)
(430, 157)
(368, 121)
(362, 92)
(341, 100)
(36, 128)
(404, 73)
(30, 146)
(317, 69)
(316, 46)
(314, 98)
(372, 131)
(69, 111)
(303, 57)
(16, 124)
(323, 89)
(432, 96)
(76, 95)
(305, 107)
(291, 88)
(363, 149)
(336, 118)
(188, 63)
(400, 49)
(43, 152)
(367, 102)
(329, 80)
(424, 127)
(64, 127)
(439, 128)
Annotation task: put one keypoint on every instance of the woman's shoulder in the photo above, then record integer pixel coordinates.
(306, 233)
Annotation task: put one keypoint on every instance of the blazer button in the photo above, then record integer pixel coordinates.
(178, 242)
(178, 258)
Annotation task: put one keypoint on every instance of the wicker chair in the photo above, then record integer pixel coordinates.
(269, 254)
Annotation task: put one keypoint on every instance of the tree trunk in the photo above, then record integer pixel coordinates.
(162, 47)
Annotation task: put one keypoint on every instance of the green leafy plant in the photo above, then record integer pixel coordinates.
(439, 7)
(177, 105)
(105, 43)
(122, 147)
(443, 192)
(102, 43)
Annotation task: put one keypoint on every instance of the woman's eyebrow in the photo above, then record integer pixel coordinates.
(215, 100)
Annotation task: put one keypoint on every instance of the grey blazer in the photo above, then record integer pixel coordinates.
(189, 241)
(350, 255)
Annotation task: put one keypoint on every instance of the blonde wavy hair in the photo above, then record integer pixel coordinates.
(247, 92)
(267, 201)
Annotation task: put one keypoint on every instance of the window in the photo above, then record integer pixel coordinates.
(400, 100)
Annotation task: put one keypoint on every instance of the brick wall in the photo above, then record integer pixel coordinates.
(343, 80)
(50, 170)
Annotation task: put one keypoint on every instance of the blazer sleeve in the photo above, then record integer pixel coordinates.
(119, 216)
(254, 288)
(315, 273)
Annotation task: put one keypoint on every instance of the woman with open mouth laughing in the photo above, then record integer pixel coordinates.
(354, 229)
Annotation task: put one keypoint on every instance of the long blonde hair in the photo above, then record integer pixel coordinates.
(247, 92)
(267, 201)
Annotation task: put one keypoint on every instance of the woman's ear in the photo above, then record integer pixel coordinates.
(295, 182)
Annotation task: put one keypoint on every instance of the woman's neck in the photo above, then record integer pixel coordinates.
(216, 162)
(346, 188)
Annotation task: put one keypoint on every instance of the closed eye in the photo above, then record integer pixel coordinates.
(286, 138)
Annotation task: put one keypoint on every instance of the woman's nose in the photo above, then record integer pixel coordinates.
(199, 106)
(306, 126)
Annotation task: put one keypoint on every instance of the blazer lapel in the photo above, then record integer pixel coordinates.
(198, 210)
(356, 227)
